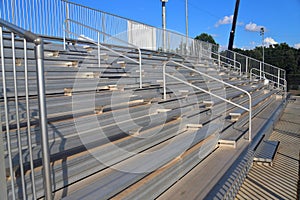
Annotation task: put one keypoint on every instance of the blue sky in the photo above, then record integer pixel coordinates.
(280, 18)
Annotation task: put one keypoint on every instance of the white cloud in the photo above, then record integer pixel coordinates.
(225, 20)
(222, 48)
(269, 41)
(253, 27)
(297, 46)
(252, 43)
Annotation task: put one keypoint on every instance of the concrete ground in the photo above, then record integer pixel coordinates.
(282, 180)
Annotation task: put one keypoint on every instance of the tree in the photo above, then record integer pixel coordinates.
(280, 55)
(206, 38)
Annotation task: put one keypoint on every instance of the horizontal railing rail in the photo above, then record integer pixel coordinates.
(99, 33)
(28, 35)
(249, 109)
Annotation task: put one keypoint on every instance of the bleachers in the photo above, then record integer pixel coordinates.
(100, 122)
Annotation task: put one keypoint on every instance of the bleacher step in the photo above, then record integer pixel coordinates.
(231, 136)
(194, 126)
(266, 154)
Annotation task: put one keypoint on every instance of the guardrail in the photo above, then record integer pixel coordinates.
(284, 86)
(208, 92)
(249, 63)
(223, 60)
(47, 17)
(92, 34)
(39, 56)
(53, 13)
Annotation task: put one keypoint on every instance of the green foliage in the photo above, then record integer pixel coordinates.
(206, 38)
(280, 55)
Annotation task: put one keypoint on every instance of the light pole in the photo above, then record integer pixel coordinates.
(163, 4)
(186, 23)
(262, 33)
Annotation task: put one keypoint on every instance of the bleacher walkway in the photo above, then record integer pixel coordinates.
(282, 179)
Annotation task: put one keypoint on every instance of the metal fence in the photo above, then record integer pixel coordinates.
(275, 75)
(16, 112)
(48, 17)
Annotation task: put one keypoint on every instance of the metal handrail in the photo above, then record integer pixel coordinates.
(19, 31)
(258, 61)
(103, 33)
(278, 83)
(39, 55)
(208, 92)
(229, 59)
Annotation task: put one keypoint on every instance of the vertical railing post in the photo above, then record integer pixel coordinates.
(99, 56)
(246, 66)
(64, 35)
(39, 52)
(164, 81)
(67, 17)
(219, 60)
(6, 113)
(278, 78)
(3, 186)
(103, 26)
(140, 67)
(234, 60)
(250, 118)
(164, 23)
(29, 135)
(260, 68)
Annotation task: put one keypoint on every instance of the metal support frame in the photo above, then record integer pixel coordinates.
(208, 92)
